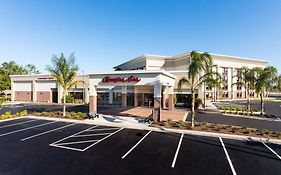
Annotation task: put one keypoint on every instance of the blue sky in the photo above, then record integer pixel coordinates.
(104, 33)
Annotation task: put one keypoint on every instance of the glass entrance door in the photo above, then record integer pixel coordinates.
(148, 100)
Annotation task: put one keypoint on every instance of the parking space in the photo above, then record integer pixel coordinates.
(252, 157)
(30, 146)
(196, 151)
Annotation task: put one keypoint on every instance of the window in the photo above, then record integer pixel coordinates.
(225, 87)
(239, 94)
(225, 95)
(225, 71)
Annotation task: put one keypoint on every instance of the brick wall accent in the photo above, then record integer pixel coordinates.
(23, 96)
(44, 96)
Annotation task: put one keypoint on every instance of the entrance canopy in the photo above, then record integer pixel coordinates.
(160, 82)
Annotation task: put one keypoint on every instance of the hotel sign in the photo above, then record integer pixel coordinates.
(120, 79)
(45, 78)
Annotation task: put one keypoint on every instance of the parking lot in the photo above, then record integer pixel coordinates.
(31, 146)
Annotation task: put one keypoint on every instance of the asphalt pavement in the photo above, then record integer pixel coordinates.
(32, 147)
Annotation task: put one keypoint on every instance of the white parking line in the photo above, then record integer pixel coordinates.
(88, 135)
(271, 150)
(70, 143)
(177, 151)
(103, 139)
(5, 126)
(65, 147)
(103, 129)
(46, 132)
(123, 157)
(228, 158)
(24, 129)
(52, 144)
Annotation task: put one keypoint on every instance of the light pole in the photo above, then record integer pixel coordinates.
(83, 90)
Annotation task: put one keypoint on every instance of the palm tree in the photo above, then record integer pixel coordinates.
(64, 70)
(279, 83)
(199, 62)
(247, 80)
(213, 81)
(264, 81)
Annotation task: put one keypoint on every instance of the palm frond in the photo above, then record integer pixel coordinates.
(183, 81)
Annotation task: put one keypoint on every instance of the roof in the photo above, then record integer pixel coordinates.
(145, 56)
(226, 56)
(139, 58)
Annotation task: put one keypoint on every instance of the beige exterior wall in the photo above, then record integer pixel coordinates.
(38, 88)
(178, 65)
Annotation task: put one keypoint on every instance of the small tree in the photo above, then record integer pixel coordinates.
(199, 63)
(264, 81)
(213, 81)
(64, 70)
(247, 80)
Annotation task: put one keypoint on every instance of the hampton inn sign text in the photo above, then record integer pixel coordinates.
(120, 80)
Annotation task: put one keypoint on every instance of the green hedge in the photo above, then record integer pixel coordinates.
(9, 115)
(70, 115)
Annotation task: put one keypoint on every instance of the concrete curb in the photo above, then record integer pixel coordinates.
(10, 119)
(251, 117)
(226, 136)
(162, 129)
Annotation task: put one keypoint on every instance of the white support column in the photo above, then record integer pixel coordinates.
(229, 82)
(165, 96)
(135, 96)
(124, 96)
(157, 102)
(234, 80)
(86, 95)
(12, 91)
(60, 93)
(171, 98)
(93, 100)
(34, 92)
(110, 98)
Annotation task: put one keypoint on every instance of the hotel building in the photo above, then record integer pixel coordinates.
(148, 80)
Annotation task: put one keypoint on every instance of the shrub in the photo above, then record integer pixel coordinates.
(204, 123)
(168, 123)
(198, 102)
(238, 108)
(68, 116)
(169, 120)
(23, 113)
(181, 122)
(176, 124)
(222, 107)
(234, 129)
(262, 131)
(251, 112)
(224, 127)
(68, 98)
(247, 131)
(277, 134)
(7, 115)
